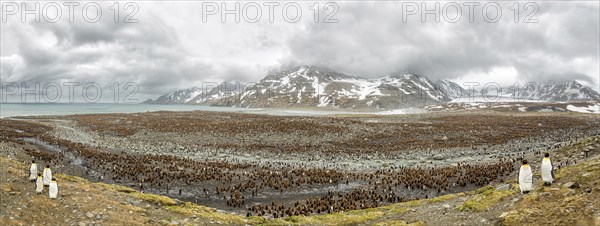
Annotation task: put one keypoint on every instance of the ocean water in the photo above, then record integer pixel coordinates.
(36, 109)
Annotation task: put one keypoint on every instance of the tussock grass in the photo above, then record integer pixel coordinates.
(444, 198)
(116, 187)
(153, 198)
(400, 223)
(553, 206)
(191, 209)
(484, 198)
(413, 203)
(516, 217)
(346, 218)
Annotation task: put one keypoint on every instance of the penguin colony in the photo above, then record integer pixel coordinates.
(416, 178)
(234, 183)
(237, 183)
(381, 189)
(384, 186)
(348, 136)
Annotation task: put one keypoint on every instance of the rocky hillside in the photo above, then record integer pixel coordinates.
(451, 89)
(568, 91)
(555, 92)
(82, 202)
(208, 94)
(177, 97)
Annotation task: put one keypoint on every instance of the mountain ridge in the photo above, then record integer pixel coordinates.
(311, 86)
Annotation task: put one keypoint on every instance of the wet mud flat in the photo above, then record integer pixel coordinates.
(278, 188)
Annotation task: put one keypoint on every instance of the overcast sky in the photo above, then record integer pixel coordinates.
(171, 47)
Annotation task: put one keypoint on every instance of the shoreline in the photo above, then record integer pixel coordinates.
(124, 108)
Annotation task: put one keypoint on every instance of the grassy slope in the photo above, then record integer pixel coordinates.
(559, 205)
(78, 195)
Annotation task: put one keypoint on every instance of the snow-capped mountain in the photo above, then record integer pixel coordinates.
(216, 92)
(177, 97)
(309, 86)
(561, 92)
(313, 86)
(451, 89)
(208, 94)
(568, 91)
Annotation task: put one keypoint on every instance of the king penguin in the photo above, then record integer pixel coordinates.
(47, 175)
(53, 190)
(525, 178)
(33, 171)
(39, 183)
(547, 170)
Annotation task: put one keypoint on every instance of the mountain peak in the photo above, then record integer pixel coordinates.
(312, 68)
(209, 93)
(306, 73)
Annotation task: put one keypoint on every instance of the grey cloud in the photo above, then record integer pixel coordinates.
(372, 40)
(147, 53)
(561, 76)
(238, 73)
(167, 50)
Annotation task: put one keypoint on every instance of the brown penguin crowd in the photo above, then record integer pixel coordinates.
(237, 182)
(336, 135)
(279, 189)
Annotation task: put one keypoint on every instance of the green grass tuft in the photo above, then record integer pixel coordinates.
(156, 199)
(485, 198)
